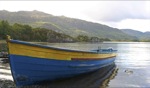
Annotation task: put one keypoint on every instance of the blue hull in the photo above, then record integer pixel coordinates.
(29, 70)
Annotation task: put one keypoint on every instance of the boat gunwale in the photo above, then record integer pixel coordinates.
(54, 48)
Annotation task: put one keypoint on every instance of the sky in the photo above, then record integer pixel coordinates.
(117, 14)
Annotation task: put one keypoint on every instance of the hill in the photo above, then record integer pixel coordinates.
(142, 36)
(62, 24)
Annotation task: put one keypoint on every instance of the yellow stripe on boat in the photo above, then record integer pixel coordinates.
(48, 53)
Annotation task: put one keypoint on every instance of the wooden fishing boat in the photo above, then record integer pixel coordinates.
(34, 63)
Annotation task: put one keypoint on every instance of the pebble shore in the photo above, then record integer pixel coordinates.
(7, 83)
(4, 82)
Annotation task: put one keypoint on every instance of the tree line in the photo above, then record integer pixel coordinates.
(27, 33)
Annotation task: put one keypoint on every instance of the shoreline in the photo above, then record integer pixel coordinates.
(5, 83)
(5, 80)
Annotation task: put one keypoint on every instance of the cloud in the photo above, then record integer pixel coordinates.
(119, 10)
(118, 14)
(136, 24)
(93, 10)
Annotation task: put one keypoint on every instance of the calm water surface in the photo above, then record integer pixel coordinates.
(131, 68)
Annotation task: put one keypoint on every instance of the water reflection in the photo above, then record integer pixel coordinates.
(134, 55)
(97, 79)
(133, 61)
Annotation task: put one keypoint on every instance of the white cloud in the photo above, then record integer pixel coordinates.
(137, 24)
(120, 10)
(119, 14)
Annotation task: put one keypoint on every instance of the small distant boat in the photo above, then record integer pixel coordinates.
(34, 63)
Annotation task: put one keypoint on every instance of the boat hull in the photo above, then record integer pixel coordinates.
(30, 70)
(32, 63)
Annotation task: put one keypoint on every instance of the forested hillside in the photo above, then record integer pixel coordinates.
(27, 33)
(68, 26)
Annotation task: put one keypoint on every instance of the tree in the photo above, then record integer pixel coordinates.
(82, 38)
(5, 29)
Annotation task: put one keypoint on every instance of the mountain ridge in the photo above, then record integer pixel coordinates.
(62, 24)
(140, 35)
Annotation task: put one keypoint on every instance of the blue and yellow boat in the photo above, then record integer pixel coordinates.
(34, 63)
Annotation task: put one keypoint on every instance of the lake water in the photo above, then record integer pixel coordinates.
(131, 67)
